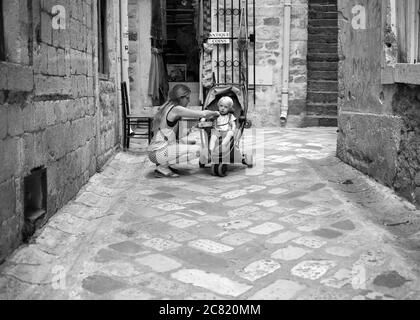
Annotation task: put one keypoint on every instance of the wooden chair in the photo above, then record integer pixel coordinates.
(142, 125)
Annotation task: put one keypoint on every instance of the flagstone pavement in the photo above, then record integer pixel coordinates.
(300, 225)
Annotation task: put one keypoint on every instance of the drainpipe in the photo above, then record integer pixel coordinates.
(286, 61)
(124, 44)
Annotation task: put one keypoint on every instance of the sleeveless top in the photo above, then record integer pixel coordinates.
(167, 132)
(225, 123)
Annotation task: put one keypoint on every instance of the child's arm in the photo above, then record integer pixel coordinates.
(233, 124)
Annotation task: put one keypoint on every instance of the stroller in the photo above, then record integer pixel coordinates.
(220, 158)
(238, 92)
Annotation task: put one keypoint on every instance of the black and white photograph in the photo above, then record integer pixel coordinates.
(220, 154)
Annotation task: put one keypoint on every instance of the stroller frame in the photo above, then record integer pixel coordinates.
(220, 159)
(238, 91)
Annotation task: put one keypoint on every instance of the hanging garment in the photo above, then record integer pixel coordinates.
(201, 89)
(158, 82)
(198, 21)
(243, 43)
(206, 18)
(206, 56)
(203, 25)
(207, 65)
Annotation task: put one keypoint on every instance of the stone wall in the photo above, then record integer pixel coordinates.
(269, 26)
(55, 112)
(379, 126)
(406, 104)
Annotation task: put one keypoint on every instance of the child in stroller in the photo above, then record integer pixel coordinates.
(224, 126)
(220, 137)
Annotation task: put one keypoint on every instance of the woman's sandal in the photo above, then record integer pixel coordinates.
(159, 174)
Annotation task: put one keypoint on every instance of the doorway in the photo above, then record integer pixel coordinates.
(181, 51)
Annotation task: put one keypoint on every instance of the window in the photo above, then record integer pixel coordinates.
(102, 37)
(2, 45)
(406, 18)
(401, 59)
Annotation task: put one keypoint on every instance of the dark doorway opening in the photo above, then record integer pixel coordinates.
(181, 50)
(182, 46)
(35, 200)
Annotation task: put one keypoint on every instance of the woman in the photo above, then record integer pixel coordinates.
(165, 150)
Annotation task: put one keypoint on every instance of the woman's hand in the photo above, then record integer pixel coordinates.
(211, 114)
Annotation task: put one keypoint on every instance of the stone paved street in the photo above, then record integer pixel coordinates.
(303, 226)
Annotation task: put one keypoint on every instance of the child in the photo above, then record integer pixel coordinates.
(225, 125)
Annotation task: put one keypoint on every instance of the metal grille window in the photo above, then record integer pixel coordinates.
(102, 36)
(234, 36)
(2, 44)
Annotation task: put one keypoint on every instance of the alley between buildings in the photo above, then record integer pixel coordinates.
(300, 225)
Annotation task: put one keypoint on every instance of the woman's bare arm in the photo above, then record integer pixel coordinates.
(181, 112)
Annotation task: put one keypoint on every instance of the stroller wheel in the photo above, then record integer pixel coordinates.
(215, 170)
(222, 170)
(248, 124)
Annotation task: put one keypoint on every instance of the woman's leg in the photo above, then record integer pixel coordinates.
(160, 158)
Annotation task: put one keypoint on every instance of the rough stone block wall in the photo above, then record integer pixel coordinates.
(379, 124)
(269, 52)
(51, 113)
(406, 104)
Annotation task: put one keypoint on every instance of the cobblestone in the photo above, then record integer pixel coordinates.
(283, 231)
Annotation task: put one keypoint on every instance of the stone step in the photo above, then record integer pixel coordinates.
(323, 23)
(323, 57)
(323, 8)
(322, 97)
(323, 66)
(321, 109)
(320, 85)
(326, 30)
(322, 75)
(322, 47)
(316, 15)
(320, 121)
(322, 38)
(322, 2)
